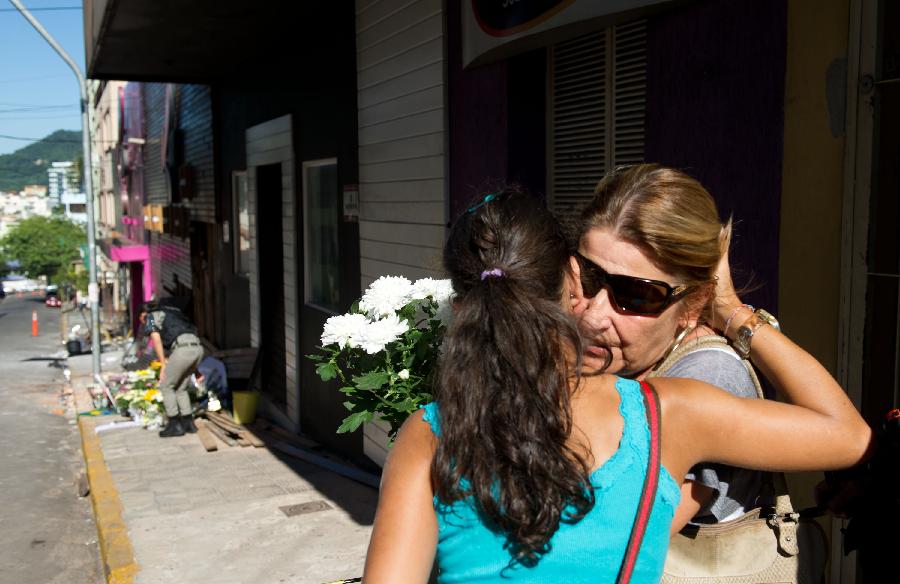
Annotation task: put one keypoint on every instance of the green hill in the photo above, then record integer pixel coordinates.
(28, 165)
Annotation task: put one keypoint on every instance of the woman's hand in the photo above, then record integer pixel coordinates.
(726, 300)
(577, 302)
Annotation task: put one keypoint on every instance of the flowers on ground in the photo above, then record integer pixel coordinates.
(137, 396)
(385, 350)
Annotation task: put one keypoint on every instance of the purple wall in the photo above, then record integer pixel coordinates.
(715, 93)
(477, 113)
(715, 109)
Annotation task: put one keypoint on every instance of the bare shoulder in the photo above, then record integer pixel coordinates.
(415, 443)
(677, 395)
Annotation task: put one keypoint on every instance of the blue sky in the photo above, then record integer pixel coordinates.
(38, 91)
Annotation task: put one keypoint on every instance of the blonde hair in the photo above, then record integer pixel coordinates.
(666, 212)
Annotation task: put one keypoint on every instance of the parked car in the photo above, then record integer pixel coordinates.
(52, 298)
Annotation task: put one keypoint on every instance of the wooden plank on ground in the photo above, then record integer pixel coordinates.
(224, 422)
(243, 443)
(219, 433)
(223, 425)
(252, 438)
(229, 425)
(206, 437)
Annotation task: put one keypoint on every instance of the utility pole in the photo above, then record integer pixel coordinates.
(93, 288)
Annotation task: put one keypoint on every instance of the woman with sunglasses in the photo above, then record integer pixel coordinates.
(523, 470)
(645, 266)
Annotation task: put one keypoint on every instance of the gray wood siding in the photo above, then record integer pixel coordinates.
(402, 162)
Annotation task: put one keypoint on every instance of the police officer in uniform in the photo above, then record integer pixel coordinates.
(172, 333)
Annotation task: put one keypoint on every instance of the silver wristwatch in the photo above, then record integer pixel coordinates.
(745, 332)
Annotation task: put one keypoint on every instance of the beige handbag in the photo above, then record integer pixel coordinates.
(766, 545)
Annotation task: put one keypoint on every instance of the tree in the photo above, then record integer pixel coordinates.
(44, 245)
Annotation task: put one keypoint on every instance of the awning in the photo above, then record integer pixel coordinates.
(120, 249)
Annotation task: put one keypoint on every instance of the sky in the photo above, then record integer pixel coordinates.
(38, 91)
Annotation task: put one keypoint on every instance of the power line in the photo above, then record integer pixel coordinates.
(4, 136)
(44, 9)
(3, 117)
(8, 104)
(35, 110)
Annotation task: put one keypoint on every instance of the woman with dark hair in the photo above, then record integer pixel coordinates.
(524, 470)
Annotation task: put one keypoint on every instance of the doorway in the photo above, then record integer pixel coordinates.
(270, 248)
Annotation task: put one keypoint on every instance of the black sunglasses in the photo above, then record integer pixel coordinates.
(630, 294)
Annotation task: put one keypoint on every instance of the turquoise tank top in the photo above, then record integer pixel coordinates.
(589, 551)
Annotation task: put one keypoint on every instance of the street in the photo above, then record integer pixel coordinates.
(47, 532)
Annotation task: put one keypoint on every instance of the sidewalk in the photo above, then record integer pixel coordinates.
(172, 512)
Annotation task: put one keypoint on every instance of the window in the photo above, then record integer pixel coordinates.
(320, 213)
(597, 100)
(78, 208)
(241, 222)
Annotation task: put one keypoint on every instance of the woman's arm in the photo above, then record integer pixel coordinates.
(405, 534)
(820, 430)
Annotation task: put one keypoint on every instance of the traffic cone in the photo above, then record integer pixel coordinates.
(34, 323)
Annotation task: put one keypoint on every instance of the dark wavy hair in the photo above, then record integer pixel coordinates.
(510, 357)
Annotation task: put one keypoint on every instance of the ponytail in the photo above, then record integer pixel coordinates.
(504, 383)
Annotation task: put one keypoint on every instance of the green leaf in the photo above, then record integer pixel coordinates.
(354, 421)
(372, 380)
(326, 371)
(347, 390)
(349, 405)
(315, 358)
(407, 405)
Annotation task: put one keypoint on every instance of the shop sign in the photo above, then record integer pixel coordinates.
(493, 29)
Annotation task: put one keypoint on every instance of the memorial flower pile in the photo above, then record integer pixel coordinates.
(137, 395)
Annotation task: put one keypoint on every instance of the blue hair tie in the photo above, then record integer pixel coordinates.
(487, 199)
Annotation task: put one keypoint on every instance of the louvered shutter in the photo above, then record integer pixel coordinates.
(597, 100)
(630, 89)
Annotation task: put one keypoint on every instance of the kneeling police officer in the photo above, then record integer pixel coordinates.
(172, 333)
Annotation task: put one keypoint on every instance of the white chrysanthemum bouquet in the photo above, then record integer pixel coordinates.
(385, 350)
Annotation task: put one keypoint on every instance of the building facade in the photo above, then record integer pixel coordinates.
(319, 148)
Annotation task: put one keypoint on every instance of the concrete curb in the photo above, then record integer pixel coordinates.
(115, 546)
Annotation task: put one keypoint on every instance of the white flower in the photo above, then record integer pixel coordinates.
(343, 329)
(425, 287)
(379, 333)
(404, 375)
(386, 295)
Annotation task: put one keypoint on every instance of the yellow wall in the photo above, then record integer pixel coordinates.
(811, 198)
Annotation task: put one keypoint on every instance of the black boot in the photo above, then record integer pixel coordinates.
(187, 424)
(173, 428)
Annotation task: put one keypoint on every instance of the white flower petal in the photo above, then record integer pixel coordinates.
(342, 329)
(379, 333)
(386, 295)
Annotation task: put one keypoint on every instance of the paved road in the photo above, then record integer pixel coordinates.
(47, 533)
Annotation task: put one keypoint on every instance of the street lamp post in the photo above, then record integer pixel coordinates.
(93, 288)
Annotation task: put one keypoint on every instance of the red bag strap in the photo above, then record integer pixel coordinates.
(651, 481)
